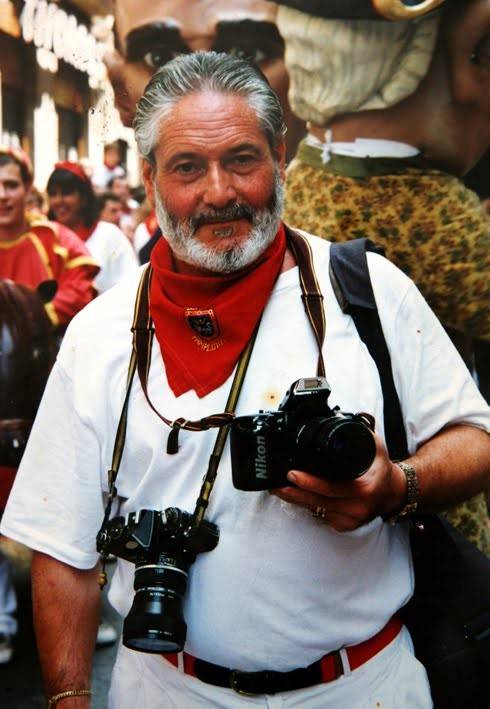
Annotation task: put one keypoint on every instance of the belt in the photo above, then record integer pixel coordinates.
(327, 669)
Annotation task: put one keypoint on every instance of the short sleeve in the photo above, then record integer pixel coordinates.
(56, 504)
(435, 387)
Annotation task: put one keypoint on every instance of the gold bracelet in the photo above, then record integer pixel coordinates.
(52, 701)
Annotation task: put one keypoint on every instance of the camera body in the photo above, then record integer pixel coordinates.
(162, 545)
(303, 434)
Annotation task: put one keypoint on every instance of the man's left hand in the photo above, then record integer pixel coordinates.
(381, 490)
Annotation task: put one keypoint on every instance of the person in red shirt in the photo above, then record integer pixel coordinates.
(33, 250)
(72, 202)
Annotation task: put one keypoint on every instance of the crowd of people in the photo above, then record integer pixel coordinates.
(68, 237)
(233, 201)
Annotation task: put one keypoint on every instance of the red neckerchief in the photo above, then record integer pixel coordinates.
(85, 232)
(202, 323)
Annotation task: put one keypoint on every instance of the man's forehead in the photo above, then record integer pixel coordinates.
(190, 17)
(209, 121)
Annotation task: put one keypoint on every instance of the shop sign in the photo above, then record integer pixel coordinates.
(54, 30)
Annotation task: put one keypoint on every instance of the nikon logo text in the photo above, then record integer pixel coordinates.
(261, 459)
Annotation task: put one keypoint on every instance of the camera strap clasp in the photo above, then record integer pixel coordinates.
(173, 436)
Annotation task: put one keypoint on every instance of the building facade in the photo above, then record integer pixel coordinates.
(56, 100)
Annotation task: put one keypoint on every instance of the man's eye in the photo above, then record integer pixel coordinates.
(186, 168)
(243, 159)
(159, 56)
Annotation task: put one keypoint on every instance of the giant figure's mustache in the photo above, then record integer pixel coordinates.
(232, 213)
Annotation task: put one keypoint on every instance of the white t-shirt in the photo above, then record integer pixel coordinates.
(114, 254)
(281, 589)
(141, 236)
(103, 174)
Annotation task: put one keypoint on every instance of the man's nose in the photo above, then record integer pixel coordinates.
(220, 189)
(3, 192)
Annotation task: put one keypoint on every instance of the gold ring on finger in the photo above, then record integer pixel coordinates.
(320, 512)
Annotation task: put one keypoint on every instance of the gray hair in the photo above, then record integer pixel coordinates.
(205, 71)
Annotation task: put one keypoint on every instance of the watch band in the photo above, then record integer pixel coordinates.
(413, 493)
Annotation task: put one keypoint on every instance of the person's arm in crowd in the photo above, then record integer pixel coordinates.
(66, 606)
(75, 291)
(452, 466)
(77, 270)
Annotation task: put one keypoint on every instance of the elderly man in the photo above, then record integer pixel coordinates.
(267, 595)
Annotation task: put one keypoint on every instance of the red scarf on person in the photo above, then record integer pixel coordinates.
(85, 232)
(202, 323)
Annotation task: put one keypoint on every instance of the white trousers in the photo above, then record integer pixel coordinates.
(394, 678)
(8, 600)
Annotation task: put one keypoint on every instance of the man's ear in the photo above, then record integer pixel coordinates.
(148, 173)
(468, 49)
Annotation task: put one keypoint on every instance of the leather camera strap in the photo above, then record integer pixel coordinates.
(311, 294)
(143, 334)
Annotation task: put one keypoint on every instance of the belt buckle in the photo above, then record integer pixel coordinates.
(234, 680)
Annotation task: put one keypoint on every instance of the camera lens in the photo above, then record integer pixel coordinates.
(155, 622)
(336, 448)
(351, 449)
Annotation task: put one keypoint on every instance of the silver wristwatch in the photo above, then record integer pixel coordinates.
(413, 493)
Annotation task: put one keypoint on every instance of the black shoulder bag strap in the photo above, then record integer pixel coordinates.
(349, 274)
(449, 614)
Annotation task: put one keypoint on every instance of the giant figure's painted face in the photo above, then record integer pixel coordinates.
(151, 32)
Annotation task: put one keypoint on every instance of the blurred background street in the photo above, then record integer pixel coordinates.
(20, 680)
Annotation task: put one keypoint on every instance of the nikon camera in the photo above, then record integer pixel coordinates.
(304, 434)
(162, 545)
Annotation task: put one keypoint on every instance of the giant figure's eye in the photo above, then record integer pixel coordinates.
(158, 56)
(255, 54)
(481, 55)
(258, 42)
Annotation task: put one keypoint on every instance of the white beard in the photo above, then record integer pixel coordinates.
(181, 236)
